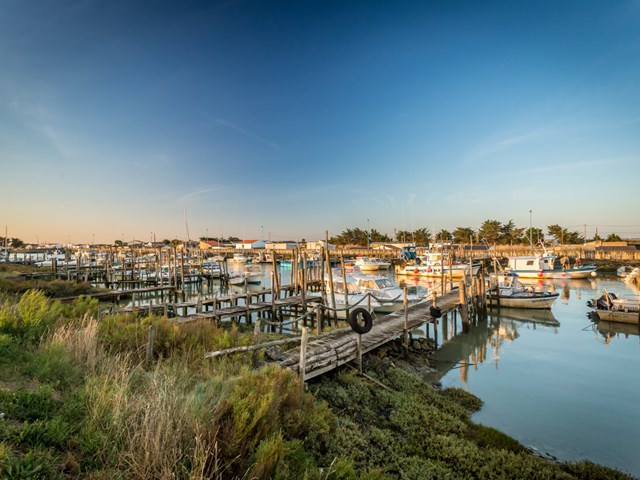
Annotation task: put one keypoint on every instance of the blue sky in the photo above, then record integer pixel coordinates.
(292, 118)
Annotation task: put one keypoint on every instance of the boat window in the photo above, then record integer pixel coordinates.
(529, 262)
(383, 283)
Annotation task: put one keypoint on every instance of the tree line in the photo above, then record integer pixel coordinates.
(491, 232)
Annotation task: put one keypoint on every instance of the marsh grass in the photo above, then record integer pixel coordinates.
(80, 402)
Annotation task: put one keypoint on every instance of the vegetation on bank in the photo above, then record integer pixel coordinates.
(78, 401)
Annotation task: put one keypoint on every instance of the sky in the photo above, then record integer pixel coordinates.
(286, 119)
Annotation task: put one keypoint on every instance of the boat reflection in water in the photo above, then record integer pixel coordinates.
(610, 330)
(484, 342)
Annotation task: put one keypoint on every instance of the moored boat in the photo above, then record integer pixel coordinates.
(390, 297)
(509, 292)
(437, 264)
(251, 274)
(369, 264)
(544, 266)
(609, 307)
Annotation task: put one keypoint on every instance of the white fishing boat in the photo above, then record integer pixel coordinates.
(437, 264)
(612, 308)
(211, 268)
(509, 292)
(251, 274)
(238, 258)
(347, 294)
(545, 266)
(369, 264)
(390, 297)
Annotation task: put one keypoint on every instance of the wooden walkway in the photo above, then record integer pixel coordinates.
(328, 351)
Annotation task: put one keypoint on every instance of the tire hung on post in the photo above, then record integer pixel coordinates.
(360, 320)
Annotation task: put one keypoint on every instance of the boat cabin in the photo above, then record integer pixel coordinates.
(532, 263)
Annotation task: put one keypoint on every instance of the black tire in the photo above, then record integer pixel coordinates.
(360, 320)
(435, 312)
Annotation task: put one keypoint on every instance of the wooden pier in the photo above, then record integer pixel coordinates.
(327, 352)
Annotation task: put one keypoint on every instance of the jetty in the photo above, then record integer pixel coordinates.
(326, 351)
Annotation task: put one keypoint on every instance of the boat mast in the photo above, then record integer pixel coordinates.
(530, 232)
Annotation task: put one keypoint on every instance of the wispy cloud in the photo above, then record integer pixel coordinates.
(197, 195)
(505, 142)
(246, 132)
(585, 165)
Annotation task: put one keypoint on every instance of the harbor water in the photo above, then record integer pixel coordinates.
(555, 381)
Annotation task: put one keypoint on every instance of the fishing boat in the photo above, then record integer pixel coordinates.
(251, 274)
(509, 292)
(610, 308)
(238, 258)
(347, 294)
(437, 264)
(369, 264)
(211, 268)
(544, 266)
(390, 297)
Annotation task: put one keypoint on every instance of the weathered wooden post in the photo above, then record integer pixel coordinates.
(319, 321)
(344, 286)
(359, 352)
(150, 340)
(405, 333)
(303, 355)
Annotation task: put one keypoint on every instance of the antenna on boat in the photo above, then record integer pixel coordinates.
(186, 224)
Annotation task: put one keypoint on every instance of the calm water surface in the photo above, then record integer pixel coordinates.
(554, 381)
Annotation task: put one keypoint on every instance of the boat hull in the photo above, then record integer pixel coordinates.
(532, 302)
(573, 273)
(619, 316)
(436, 272)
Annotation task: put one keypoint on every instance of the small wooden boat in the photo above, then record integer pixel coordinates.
(610, 308)
(509, 292)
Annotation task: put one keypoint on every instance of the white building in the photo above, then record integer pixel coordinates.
(250, 244)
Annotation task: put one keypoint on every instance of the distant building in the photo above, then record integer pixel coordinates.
(286, 245)
(318, 245)
(250, 244)
(211, 245)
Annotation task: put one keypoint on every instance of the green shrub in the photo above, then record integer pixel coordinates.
(586, 470)
(467, 400)
(491, 438)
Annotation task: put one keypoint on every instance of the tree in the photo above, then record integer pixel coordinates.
(490, 231)
(118, 243)
(508, 233)
(613, 237)
(422, 236)
(443, 236)
(403, 236)
(17, 243)
(376, 236)
(463, 234)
